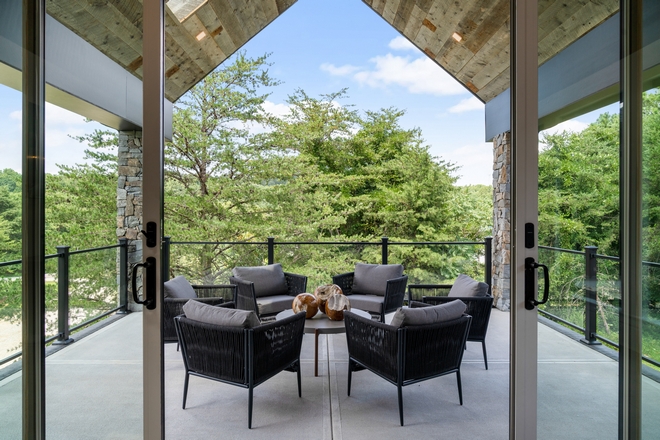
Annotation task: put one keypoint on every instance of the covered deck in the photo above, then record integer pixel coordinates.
(94, 391)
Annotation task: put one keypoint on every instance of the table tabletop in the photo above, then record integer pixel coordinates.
(322, 323)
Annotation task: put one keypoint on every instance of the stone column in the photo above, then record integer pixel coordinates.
(502, 221)
(129, 201)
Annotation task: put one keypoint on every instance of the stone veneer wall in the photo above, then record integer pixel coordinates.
(502, 221)
(129, 201)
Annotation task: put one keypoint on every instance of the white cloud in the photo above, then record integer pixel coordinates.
(419, 76)
(467, 105)
(401, 43)
(16, 115)
(476, 161)
(333, 70)
(58, 115)
(572, 126)
(274, 109)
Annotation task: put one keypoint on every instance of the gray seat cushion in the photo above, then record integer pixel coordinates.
(466, 286)
(268, 280)
(428, 315)
(274, 304)
(368, 303)
(225, 317)
(371, 279)
(179, 287)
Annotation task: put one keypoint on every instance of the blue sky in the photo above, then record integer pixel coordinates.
(322, 46)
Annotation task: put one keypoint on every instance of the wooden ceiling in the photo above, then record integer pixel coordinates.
(216, 29)
(480, 60)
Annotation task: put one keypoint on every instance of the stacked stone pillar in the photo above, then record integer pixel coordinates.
(129, 201)
(502, 221)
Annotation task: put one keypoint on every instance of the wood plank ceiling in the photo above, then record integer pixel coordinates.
(467, 38)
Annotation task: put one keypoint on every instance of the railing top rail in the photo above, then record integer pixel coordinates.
(610, 257)
(374, 243)
(219, 242)
(84, 251)
(566, 251)
(11, 263)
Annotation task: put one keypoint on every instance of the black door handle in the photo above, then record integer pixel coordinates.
(149, 284)
(530, 287)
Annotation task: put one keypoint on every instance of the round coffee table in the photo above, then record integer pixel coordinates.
(320, 324)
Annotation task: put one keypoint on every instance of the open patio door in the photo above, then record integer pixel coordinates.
(563, 384)
(59, 397)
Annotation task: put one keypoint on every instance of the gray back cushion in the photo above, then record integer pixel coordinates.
(428, 315)
(466, 286)
(179, 287)
(371, 279)
(209, 314)
(268, 280)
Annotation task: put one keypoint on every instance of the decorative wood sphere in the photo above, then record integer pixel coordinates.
(305, 302)
(336, 305)
(323, 293)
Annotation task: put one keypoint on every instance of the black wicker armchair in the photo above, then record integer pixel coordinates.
(209, 294)
(406, 355)
(245, 357)
(371, 299)
(264, 297)
(479, 307)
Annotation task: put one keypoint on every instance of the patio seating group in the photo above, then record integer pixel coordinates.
(234, 338)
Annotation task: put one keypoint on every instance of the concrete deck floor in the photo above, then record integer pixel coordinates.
(94, 392)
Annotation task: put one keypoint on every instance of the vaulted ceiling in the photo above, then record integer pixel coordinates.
(467, 38)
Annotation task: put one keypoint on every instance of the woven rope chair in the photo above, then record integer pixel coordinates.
(406, 355)
(246, 298)
(392, 299)
(238, 356)
(479, 307)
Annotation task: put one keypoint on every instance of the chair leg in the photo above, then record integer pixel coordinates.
(298, 373)
(250, 407)
(350, 376)
(400, 389)
(483, 344)
(185, 390)
(460, 387)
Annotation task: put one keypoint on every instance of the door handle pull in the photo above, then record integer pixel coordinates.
(530, 288)
(149, 283)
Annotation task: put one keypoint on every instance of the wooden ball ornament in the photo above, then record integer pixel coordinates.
(323, 293)
(336, 305)
(305, 302)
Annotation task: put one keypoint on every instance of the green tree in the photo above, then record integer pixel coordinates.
(10, 216)
(579, 188)
(216, 169)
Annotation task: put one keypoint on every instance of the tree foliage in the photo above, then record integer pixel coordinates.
(323, 171)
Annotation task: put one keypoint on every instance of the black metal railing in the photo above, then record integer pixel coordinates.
(64, 327)
(385, 244)
(589, 288)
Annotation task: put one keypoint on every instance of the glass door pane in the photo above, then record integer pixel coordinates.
(11, 390)
(578, 224)
(94, 369)
(651, 221)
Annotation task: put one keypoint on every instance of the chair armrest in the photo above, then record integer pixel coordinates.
(224, 291)
(295, 283)
(372, 344)
(344, 281)
(394, 294)
(245, 296)
(276, 345)
(417, 291)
